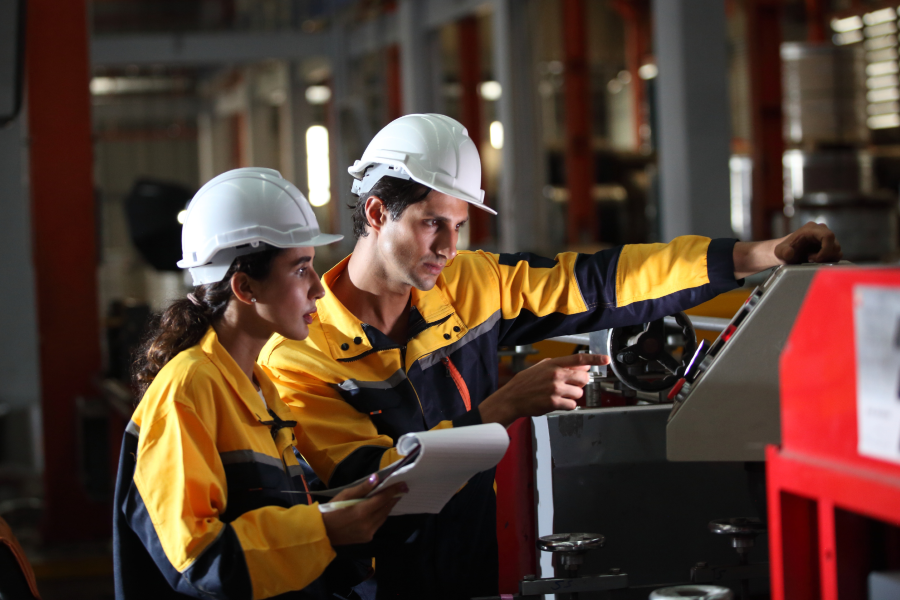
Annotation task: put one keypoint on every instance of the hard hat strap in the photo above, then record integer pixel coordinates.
(374, 174)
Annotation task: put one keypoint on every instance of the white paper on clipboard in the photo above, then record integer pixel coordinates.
(876, 324)
(447, 459)
(436, 464)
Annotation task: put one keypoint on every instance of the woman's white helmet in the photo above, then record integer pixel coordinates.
(233, 213)
(433, 150)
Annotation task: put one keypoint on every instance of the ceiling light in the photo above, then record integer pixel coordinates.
(318, 165)
(848, 24)
(851, 37)
(884, 121)
(318, 94)
(648, 71)
(879, 16)
(491, 90)
(496, 131)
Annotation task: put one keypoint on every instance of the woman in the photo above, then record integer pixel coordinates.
(211, 501)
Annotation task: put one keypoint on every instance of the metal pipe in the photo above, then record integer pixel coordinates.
(701, 323)
(704, 323)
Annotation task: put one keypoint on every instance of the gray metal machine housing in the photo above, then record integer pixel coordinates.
(730, 411)
(606, 471)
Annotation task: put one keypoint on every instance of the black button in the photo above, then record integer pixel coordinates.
(357, 340)
(456, 328)
(446, 336)
(345, 346)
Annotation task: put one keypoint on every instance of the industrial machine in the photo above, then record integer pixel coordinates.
(605, 470)
(665, 462)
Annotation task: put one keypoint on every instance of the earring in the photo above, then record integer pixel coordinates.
(252, 299)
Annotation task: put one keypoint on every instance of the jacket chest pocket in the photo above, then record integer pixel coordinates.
(393, 411)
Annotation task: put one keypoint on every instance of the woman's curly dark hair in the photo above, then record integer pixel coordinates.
(183, 324)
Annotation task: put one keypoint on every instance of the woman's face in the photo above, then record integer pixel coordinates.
(286, 299)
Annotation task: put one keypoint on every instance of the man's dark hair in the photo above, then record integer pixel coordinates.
(396, 194)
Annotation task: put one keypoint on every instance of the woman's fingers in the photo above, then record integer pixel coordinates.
(374, 511)
(387, 496)
(360, 490)
(379, 507)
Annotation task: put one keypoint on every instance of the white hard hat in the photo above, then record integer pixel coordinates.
(433, 150)
(233, 213)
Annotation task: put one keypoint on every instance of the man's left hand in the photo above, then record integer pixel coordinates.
(811, 243)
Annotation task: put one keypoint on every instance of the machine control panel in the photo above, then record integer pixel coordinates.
(726, 407)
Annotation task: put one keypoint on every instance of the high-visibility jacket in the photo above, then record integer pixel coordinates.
(210, 499)
(355, 391)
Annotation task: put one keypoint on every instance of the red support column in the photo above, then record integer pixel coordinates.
(516, 518)
(764, 42)
(331, 121)
(815, 21)
(238, 124)
(64, 254)
(392, 81)
(582, 219)
(470, 108)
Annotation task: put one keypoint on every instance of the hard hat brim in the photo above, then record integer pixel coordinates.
(215, 270)
(477, 203)
(324, 239)
(255, 235)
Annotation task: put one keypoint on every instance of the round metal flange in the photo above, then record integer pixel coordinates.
(570, 542)
(695, 592)
(634, 350)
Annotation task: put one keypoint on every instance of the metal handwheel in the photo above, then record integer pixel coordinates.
(639, 357)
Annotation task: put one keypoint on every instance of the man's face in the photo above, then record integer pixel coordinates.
(418, 245)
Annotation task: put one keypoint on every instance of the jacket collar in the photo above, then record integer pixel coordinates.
(348, 338)
(239, 382)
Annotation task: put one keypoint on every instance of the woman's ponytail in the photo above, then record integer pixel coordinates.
(184, 323)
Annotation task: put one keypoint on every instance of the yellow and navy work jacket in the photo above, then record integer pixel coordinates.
(354, 391)
(210, 498)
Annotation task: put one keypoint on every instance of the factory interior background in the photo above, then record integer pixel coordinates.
(598, 122)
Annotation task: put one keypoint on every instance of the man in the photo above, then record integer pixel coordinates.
(406, 338)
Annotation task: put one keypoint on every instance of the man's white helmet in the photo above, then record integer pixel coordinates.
(237, 210)
(433, 150)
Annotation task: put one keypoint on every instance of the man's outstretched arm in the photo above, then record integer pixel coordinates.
(811, 243)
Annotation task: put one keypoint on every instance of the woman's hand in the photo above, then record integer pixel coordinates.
(358, 523)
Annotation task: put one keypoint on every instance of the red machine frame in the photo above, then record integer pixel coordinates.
(833, 514)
